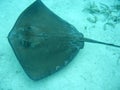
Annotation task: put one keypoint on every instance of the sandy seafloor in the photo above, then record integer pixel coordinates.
(96, 67)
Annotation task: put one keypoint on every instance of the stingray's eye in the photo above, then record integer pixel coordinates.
(28, 28)
(27, 37)
(27, 31)
(23, 36)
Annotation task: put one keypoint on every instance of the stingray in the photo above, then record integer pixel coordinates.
(43, 42)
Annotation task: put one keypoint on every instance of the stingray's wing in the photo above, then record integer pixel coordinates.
(43, 42)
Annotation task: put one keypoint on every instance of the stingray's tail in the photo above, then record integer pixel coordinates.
(99, 42)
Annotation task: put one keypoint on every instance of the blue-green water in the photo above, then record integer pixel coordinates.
(96, 67)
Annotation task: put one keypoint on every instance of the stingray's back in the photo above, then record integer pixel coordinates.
(43, 42)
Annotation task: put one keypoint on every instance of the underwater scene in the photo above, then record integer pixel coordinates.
(60, 45)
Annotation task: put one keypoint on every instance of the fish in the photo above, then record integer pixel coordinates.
(43, 42)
